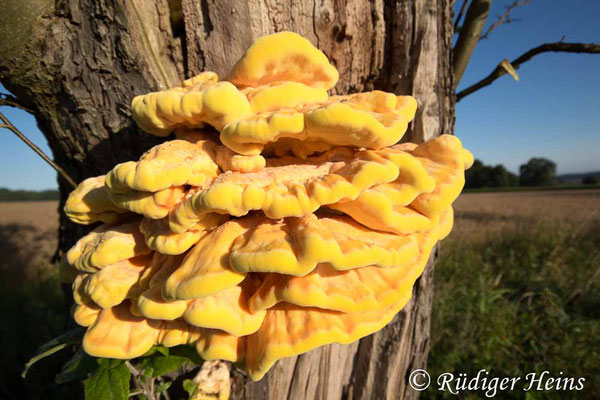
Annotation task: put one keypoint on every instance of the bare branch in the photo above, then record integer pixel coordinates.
(143, 385)
(460, 14)
(11, 101)
(468, 37)
(505, 18)
(9, 125)
(560, 47)
(131, 368)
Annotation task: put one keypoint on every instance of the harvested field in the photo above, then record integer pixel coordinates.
(478, 214)
(28, 238)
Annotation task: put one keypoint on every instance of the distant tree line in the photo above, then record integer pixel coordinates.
(27, 195)
(484, 176)
(536, 172)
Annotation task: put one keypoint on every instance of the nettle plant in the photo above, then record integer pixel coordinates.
(274, 219)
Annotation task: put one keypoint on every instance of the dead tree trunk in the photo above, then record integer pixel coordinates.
(78, 64)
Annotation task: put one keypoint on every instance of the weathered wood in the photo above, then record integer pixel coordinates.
(81, 62)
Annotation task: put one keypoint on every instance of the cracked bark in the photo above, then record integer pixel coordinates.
(78, 64)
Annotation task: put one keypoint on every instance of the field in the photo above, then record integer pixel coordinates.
(517, 291)
(32, 306)
(27, 239)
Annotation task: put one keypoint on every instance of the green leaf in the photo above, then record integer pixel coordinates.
(110, 382)
(77, 368)
(147, 372)
(186, 351)
(109, 362)
(58, 343)
(163, 387)
(190, 387)
(161, 365)
(160, 349)
(72, 336)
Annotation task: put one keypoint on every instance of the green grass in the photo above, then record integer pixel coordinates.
(32, 313)
(526, 301)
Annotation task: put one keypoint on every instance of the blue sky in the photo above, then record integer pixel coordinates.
(20, 167)
(553, 111)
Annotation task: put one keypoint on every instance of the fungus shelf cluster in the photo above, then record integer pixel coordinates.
(274, 220)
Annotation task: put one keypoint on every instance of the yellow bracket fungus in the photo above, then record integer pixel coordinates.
(372, 120)
(289, 330)
(213, 103)
(152, 305)
(283, 56)
(160, 238)
(214, 344)
(227, 310)
(107, 245)
(294, 246)
(85, 315)
(290, 187)
(205, 269)
(116, 333)
(173, 163)
(112, 284)
(154, 205)
(354, 290)
(79, 295)
(278, 95)
(191, 159)
(177, 332)
(277, 220)
(90, 202)
(416, 199)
